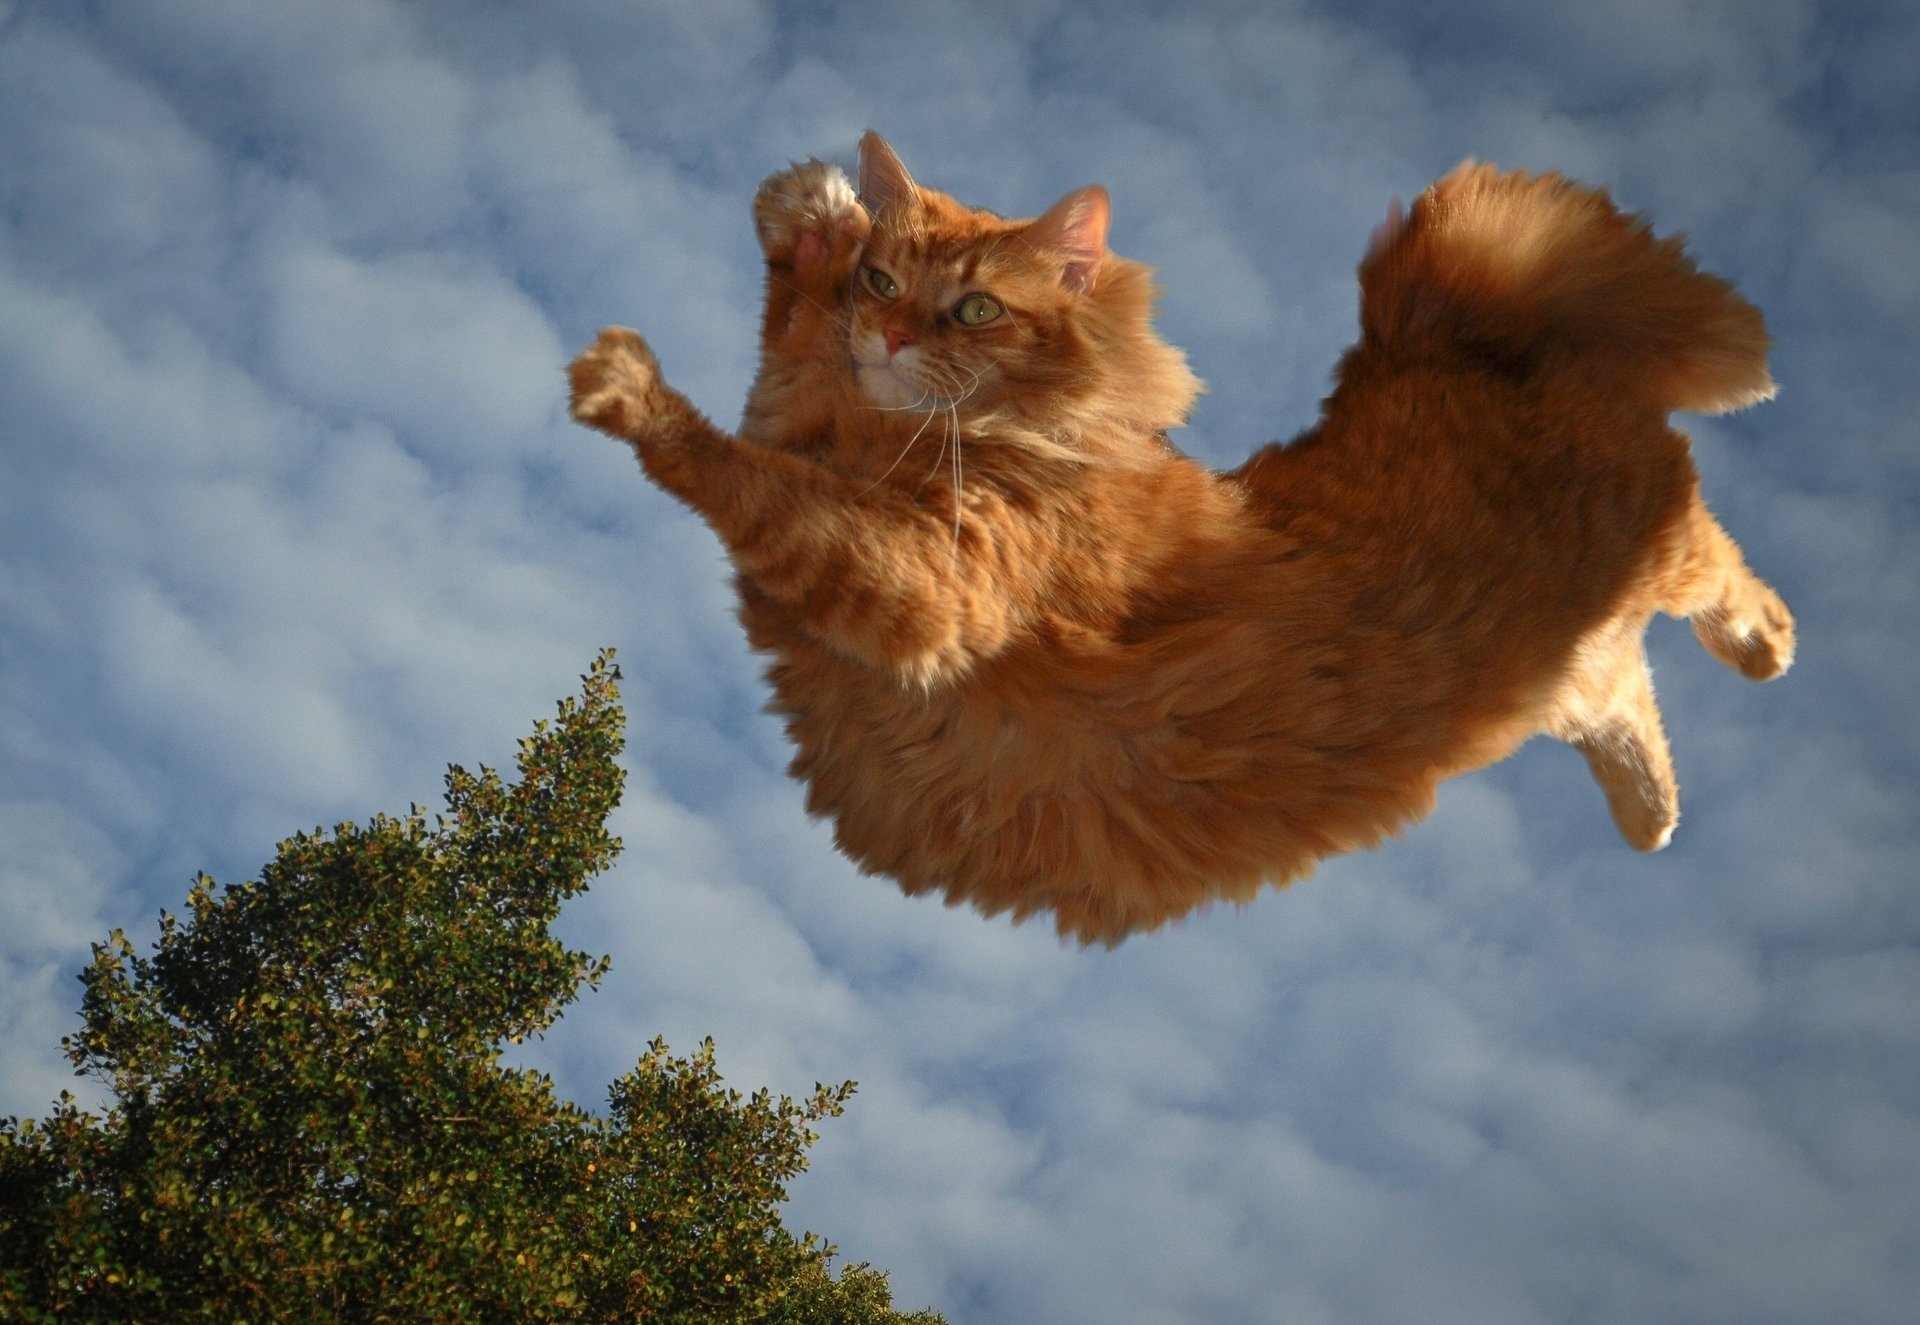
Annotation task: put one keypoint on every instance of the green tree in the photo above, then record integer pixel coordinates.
(310, 1120)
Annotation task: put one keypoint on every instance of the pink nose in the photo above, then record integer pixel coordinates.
(896, 337)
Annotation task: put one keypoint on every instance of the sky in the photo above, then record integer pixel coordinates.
(291, 517)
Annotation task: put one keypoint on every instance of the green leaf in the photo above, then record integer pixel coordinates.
(280, 1148)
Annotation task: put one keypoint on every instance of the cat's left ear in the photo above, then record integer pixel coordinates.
(884, 181)
(1077, 227)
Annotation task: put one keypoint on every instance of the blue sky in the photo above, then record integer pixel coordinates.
(291, 516)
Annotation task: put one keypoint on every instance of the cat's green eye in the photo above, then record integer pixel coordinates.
(976, 310)
(881, 283)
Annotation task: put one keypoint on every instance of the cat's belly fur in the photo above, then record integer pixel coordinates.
(1025, 788)
(1121, 778)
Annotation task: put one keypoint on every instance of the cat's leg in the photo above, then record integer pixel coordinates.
(1608, 713)
(812, 230)
(1737, 616)
(617, 389)
(868, 570)
(809, 218)
(1629, 757)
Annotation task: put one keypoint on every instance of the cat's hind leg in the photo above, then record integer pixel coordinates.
(1737, 616)
(1608, 713)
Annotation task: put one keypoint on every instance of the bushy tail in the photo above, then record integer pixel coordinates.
(1527, 270)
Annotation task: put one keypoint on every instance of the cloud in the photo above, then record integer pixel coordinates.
(337, 96)
(54, 868)
(453, 360)
(290, 517)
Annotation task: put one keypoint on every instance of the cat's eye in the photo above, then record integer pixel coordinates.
(881, 283)
(976, 310)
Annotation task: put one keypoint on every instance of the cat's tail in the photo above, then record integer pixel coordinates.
(1531, 271)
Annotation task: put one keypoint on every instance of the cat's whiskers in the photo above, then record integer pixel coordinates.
(942, 393)
(832, 313)
(954, 398)
(931, 398)
(925, 396)
(939, 459)
(902, 456)
(953, 413)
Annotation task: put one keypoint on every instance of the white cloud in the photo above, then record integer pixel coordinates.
(103, 170)
(453, 360)
(290, 517)
(147, 398)
(615, 233)
(55, 872)
(334, 94)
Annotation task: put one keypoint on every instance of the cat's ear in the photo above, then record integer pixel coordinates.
(1077, 227)
(884, 182)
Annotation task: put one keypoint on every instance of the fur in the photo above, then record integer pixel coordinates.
(1034, 659)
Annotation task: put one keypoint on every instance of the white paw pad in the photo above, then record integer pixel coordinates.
(812, 197)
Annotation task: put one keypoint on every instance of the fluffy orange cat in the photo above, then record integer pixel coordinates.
(1033, 658)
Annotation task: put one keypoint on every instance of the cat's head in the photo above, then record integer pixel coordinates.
(1034, 324)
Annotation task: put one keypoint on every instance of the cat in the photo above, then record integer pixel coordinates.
(1033, 658)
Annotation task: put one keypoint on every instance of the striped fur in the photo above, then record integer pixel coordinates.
(1035, 660)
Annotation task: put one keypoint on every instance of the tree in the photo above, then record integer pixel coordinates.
(310, 1120)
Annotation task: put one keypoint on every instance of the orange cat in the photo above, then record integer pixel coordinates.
(1033, 658)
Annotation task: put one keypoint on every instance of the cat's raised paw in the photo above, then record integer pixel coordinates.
(808, 218)
(614, 382)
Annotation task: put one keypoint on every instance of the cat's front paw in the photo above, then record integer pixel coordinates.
(808, 218)
(616, 382)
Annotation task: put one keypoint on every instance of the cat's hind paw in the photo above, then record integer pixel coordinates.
(616, 383)
(808, 218)
(1757, 641)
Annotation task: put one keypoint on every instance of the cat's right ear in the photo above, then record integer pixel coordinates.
(1076, 227)
(884, 182)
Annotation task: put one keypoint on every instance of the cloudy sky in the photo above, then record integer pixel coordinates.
(291, 516)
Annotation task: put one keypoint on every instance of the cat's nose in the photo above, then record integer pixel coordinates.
(896, 337)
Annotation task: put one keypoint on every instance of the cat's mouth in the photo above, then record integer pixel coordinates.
(904, 378)
(889, 388)
(903, 381)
